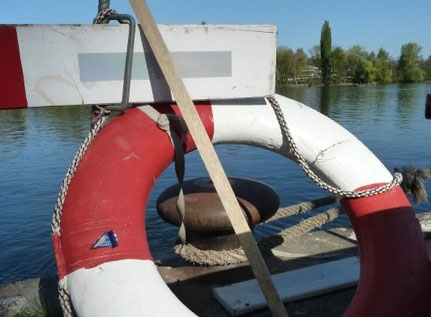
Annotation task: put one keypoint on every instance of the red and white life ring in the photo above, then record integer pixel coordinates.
(111, 186)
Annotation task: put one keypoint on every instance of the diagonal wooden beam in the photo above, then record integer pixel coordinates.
(209, 156)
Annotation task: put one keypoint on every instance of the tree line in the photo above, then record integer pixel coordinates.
(328, 65)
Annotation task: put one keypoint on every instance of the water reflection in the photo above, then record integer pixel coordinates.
(12, 127)
(296, 93)
(406, 103)
(330, 98)
(54, 119)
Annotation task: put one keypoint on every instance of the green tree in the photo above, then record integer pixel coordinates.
(314, 53)
(354, 60)
(283, 69)
(286, 66)
(291, 66)
(363, 72)
(314, 64)
(426, 66)
(383, 67)
(409, 63)
(338, 65)
(300, 60)
(325, 52)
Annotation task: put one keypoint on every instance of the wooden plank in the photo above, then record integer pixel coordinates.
(84, 64)
(208, 155)
(244, 297)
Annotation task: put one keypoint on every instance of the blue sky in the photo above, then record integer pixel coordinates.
(370, 23)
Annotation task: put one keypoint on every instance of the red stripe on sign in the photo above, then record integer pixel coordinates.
(12, 88)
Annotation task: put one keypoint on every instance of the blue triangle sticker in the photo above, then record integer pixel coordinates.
(106, 240)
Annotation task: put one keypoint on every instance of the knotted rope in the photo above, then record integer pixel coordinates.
(414, 182)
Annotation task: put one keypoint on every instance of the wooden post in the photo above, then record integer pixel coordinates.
(428, 107)
(209, 156)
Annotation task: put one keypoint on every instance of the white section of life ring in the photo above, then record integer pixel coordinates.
(334, 153)
(123, 288)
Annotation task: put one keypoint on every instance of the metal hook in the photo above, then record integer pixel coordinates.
(129, 60)
(122, 18)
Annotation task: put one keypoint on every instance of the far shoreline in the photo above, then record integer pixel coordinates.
(306, 85)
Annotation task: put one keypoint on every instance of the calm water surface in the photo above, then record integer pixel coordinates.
(37, 145)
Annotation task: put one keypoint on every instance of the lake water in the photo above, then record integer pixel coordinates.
(37, 145)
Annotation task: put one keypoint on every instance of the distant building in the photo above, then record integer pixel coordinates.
(307, 74)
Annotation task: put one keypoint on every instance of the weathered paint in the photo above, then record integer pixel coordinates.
(83, 64)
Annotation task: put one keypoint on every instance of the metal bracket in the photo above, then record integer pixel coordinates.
(129, 60)
(122, 18)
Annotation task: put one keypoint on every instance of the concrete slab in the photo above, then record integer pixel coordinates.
(318, 244)
(33, 297)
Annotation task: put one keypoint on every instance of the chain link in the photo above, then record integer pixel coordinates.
(396, 181)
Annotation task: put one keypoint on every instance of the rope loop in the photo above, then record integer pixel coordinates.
(396, 181)
(235, 256)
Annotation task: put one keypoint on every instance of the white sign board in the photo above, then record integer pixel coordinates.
(84, 64)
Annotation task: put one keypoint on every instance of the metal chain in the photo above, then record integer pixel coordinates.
(396, 181)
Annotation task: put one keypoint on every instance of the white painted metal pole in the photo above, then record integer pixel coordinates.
(209, 156)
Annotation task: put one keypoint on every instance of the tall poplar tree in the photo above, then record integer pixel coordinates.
(409, 63)
(325, 52)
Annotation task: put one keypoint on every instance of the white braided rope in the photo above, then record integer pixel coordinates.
(63, 290)
(56, 218)
(102, 15)
(396, 181)
(63, 295)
